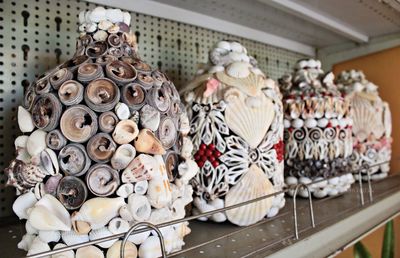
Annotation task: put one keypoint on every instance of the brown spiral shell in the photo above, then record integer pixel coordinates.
(96, 49)
(107, 121)
(59, 77)
(78, 123)
(70, 93)
(102, 180)
(137, 63)
(89, 71)
(55, 140)
(46, 111)
(114, 40)
(133, 95)
(159, 78)
(145, 79)
(115, 51)
(42, 86)
(121, 72)
(159, 98)
(74, 63)
(73, 159)
(171, 164)
(167, 132)
(102, 95)
(103, 60)
(101, 147)
(71, 192)
(29, 97)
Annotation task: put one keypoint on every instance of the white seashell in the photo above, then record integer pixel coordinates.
(286, 123)
(48, 236)
(235, 56)
(273, 211)
(21, 141)
(98, 211)
(160, 215)
(305, 180)
(334, 122)
(184, 124)
(100, 35)
(29, 229)
(139, 206)
(333, 192)
(122, 111)
(238, 69)
(172, 241)
(118, 225)
(91, 27)
(187, 148)
(66, 254)
(237, 47)
(125, 190)
(104, 25)
(139, 238)
(101, 233)
(123, 156)
(150, 117)
(216, 69)
(303, 192)
(38, 246)
(23, 203)
(159, 191)
(321, 184)
(178, 208)
(98, 14)
(291, 180)
(141, 187)
(298, 123)
(342, 122)
(127, 18)
(323, 122)
(150, 248)
(333, 181)
(82, 28)
(114, 15)
(187, 170)
(320, 193)
(311, 123)
(130, 250)
(143, 167)
(89, 251)
(87, 16)
(224, 45)
(253, 184)
(25, 121)
(49, 161)
(73, 238)
(217, 203)
(49, 214)
(26, 242)
(125, 214)
(81, 17)
(36, 142)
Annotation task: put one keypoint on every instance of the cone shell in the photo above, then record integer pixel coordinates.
(78, 123)
(141, 168)
(147, 142)
(254, 184)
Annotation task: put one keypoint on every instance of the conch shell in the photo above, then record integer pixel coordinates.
(147, 142)
(141, 168)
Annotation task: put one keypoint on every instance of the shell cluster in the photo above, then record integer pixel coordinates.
(372, 124)
(318, 128)
(102, 148)
(237, 131)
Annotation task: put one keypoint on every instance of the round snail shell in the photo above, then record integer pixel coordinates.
(46, 111)
(121, 72)
(159, 98)
(73, 159)
(133, 95)
(59, 77)
(101, 147)
(70, 93)
(89, 71)
(103, 60)
(114, 40)
(72, 192)
(167, 132)
(101, 95)
(55, 140)
(96, 49)
(42, 86)
(102, 180)
(107, 121)
(145, 79)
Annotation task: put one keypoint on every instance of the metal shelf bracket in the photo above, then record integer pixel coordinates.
(296, 229)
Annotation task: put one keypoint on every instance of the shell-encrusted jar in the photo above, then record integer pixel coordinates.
(318, 141)
(237, 131)
(105, 146)
(372, 124)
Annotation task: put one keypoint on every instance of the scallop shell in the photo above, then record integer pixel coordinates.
(36, 142)
(251, 85)
(73, 159)
(107, 121)
(133, 95)
(48, 236)
(101, 233)
(122, 111)
(141, 168)
(25, 121)
(249, 122)
(149, 118)
(100, 35)
(121, 72)
(23, 203)
(66, 254)
(123, 156)
(150, 248)
(254, 184)
(78, 123)
(89, 251)
(139, 207)
(46, 111)
(101, 95)
(73, 238)
(49, 214)
(130, 250)
(88, 72)
(125, 132)
(59, 77)
(102, 180)
(101, 147)
(72, 192)
(147, 142)
(98, 211)
(71, 93)
(96, 49)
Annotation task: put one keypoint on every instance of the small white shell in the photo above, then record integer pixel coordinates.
(127, 18)
(125, 214)
(272, 212)
(216, 69)
(187, 170)
(122, 111)
(291, 180)
(342, 122)
(139, 238)
(225, 45)
(114, 250)
(333, 181)
(38, 246)
(125, 190)
(149, 117)
(87, 16)
(311, 123)
(98, 14)
(26, 242)
(89, 251)
(66, 254)
(20, 142)
(100, 233)
(81, 17)
(29, 229)
(23, 203)
(150, 248)
(305, 180)
(298, 123)
(25, 121)
(49, 161)
(123, 156)
(92, 27)
(114, 15)
(36, 142)
(48, 236)
(118, 225)
(141, 187)
(238, 69)
(334, 122)
(187, 148)
(323, 122)
(237, 47)
(73, 238)
(139, 206)
(100, 35)
(320, 193)
(286, 123)
(104, 25)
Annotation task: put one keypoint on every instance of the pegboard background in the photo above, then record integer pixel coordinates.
(36, 35)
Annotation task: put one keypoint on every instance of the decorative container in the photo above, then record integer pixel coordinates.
(372, 124)
(318, 141)
(236, 127)
(104, 147)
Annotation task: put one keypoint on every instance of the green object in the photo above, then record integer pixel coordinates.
(388, 241)
(360, 251)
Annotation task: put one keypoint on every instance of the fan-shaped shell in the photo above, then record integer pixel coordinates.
(78, 123)
(251, 85)
(253, 184)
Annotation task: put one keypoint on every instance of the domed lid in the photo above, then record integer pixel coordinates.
(354, 81)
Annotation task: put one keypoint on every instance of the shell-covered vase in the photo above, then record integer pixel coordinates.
(237, 132)
(104, 146)
(318, 140)
(372, 124)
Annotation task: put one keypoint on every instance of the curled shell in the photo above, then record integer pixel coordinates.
(114, 40)
(159, 98)
(159, 78)
(96, 49)
(146, 80)
(59, 77)
(141, 168)
(103, 60)
(78, 123)
(125, 132)
(70, 93)
(102, 180)
(149, 117)
(25, 121)
(55, 140)
(42, 86)
(46, 111)
(147, 142)
(73, 159)
(133, 95)
(102, 95)
(167, 132)
(89, 71)
(101, 147)
(107, 121)
(121, 72)
(72, 192)
(115, 51)
(123, 156)
(49, 162)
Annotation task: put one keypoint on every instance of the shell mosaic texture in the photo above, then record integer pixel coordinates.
(36, 36)
(372, 123)
(237, 131)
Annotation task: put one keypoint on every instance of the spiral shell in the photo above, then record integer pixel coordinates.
(72, 192)
(78, 123)
(114, 40)
(29, 98)
(59, 77)
(55, 140)
(101, 147)
(73, 159)
(46, 111)
(167, 132)
(171, 164)
(159, 98)
(96, 49)
(115, 51)
(133, 95)
(159, 78)
(102, 180)
(103, 60)
(42, 86)
(145, 79)
(89, 71)
(121, 72)
(70, 93)
(102, 95)
(138, 64)
(107, 121)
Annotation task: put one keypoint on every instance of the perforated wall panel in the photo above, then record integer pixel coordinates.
(36, 35)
